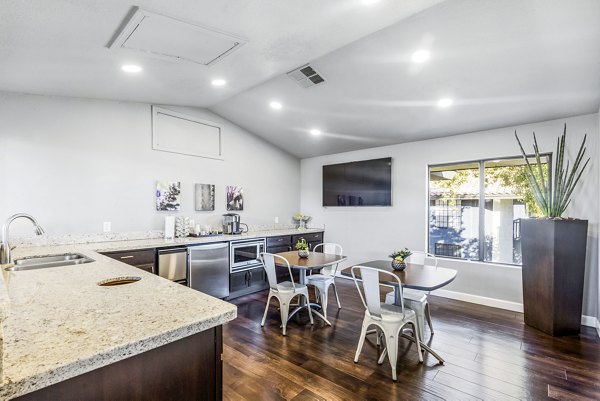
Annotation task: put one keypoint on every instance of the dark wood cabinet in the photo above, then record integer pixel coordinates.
(247, 282)
(313, 239)
(187, 369)
(285, 243)
(144, 259)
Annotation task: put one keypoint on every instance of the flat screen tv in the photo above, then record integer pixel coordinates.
(362, 183)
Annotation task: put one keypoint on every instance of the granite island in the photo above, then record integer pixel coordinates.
(65, 337)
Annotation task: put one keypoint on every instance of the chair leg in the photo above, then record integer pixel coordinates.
(378, 334)
(391, 344)
(284, 309)
(309, 308)
(361, 342)
(428, 317)
(337, 297)
(324, 299)
(420, 316)
(382, 356)
(417, 336)
(262, 324)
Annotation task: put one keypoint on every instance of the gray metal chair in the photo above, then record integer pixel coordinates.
(389, 319)
(283, 291)
(415, 299)
(326, 278)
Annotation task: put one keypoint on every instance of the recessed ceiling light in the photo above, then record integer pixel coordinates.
(218, 82)
(275, 105)
(131, 68)
(420, 56)
(445, 102)
(315, 132)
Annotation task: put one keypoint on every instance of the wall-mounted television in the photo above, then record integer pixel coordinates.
(361, 183)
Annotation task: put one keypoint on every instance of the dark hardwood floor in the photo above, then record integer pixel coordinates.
(490, 355)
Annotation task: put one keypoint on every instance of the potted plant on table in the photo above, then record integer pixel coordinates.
(553, 248)
(399, 258)
(302, 247)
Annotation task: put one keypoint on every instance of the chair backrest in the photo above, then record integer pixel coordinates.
(333, 249)
(419, 257)
(370, 283)
(268, 261)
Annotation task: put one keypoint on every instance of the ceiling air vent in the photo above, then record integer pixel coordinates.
(306, 76)
(174, 39)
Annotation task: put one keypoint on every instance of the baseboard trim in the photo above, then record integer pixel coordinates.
(480, 300)
(589, 321)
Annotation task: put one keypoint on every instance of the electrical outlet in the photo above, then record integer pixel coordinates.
(106, 226)
(276, 220)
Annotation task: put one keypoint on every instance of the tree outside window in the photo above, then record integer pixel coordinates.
(459, 228)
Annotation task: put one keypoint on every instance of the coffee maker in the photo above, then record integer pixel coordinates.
(232, 225)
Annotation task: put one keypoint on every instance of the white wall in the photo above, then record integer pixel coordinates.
(368, 233)
(75, 163)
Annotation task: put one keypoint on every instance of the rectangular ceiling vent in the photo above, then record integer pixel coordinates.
(173, 39)
(306, 76)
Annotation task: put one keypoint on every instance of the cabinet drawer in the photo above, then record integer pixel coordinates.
(309, 237)
(279, 249)
(134, 258)
(279, 241)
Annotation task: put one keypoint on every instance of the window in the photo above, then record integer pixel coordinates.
(460, 228)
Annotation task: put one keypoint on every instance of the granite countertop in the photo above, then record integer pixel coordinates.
(58, 323)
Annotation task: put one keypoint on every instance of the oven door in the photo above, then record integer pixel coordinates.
(245, 255)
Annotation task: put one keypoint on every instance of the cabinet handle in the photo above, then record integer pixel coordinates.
(127, 257)
(289, 248)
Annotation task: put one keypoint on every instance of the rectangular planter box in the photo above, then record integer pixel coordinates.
(553, 253)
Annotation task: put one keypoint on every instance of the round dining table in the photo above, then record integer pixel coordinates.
(315, 260)
(422, 277)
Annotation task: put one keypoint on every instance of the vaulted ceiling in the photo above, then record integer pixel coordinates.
(502, 62)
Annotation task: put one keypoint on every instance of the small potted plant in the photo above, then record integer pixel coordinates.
(302, 247)
(399, 258)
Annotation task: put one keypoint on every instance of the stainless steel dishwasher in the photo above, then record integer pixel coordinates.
(172, 264)
(209, 268)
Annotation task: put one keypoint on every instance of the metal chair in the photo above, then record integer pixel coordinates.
(415, 299)
(389, 319)
(284, 291)
(326, 278)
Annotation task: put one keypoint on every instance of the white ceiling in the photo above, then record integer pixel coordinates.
(503, 62)
(59, 47)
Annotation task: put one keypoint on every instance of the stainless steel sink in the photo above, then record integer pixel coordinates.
(43, 262)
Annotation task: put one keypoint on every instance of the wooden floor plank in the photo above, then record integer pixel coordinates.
(491, 354)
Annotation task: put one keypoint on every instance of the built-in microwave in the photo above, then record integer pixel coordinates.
(245, 254)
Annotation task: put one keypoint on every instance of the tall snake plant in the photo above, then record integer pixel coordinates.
(553, 194)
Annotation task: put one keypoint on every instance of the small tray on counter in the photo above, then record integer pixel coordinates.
(205, 235)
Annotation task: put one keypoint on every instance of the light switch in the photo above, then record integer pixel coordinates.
(106, 226)
(276, 220)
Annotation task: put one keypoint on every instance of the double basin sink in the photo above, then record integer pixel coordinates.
(43, 262)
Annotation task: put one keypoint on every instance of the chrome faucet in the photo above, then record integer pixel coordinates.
(5, 248)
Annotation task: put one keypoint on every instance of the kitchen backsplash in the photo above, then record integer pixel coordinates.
(48, 239)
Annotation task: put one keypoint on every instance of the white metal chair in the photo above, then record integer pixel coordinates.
(390, 319)
(326, 278)
(284, 291)
(415, 299)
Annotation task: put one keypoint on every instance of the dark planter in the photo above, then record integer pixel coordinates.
(553, 255)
